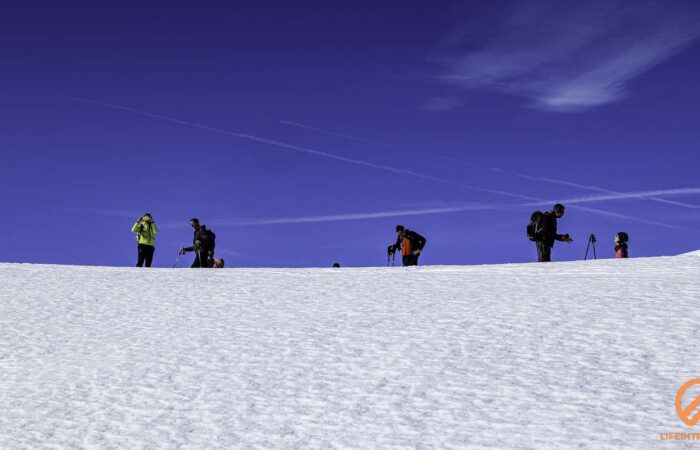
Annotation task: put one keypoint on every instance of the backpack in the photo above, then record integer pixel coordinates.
(211, 238)
(535, 229)
(622, 237)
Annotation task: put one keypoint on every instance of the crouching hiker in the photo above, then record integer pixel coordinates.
(203, 244)
(621, 249)
(410, 243)
(145, 229)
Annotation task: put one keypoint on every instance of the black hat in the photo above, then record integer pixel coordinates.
(195, 220)
(558, 207)
(399, 228)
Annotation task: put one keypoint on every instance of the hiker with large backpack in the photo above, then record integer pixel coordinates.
(203, 244)
(621, 248)
(410, 243)
(145, 229)
(542, 230)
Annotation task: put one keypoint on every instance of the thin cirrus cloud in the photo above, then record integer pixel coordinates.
(568, 55)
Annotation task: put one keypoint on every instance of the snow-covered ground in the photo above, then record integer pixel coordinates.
(584, 354)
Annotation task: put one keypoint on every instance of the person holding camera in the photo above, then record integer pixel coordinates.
(145, 229)
(411, 245)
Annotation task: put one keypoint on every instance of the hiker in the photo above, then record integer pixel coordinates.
(543, 231)
(621, 249)
(145, 229)
(410, 243)
(203, 244)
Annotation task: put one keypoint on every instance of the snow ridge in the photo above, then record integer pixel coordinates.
(520, 356)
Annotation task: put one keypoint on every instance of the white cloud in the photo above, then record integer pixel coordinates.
(566, 55)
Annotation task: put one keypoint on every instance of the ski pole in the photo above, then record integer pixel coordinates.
(178, 258)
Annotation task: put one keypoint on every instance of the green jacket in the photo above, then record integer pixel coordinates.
(146, 233)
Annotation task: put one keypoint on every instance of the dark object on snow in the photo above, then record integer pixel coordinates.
(336, 266)
(591, 241)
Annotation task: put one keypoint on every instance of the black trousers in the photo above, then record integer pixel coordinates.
(205, 256)
(410, 260)
(544, 252)
(145, 255)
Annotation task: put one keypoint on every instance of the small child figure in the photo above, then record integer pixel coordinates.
(621, 250)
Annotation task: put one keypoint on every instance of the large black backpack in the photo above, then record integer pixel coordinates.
(535, 229)
(211, 236)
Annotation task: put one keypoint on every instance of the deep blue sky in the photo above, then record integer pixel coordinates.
(287, 127)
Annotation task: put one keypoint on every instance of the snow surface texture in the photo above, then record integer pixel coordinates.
(562, 355)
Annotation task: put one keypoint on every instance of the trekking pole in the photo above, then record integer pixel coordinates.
(178, 258)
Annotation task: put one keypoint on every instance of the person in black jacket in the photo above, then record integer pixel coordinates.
(410, 243)
(548, 222)
(203, 244)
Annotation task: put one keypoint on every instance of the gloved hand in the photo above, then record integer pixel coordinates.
(416, 252)
(182, 250)
(198, 243)
(566, 238)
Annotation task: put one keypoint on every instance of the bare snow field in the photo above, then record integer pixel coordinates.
(546, 356)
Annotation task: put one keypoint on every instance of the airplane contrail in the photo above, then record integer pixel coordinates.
(320, 153)
(568, 183)
(600, 189)
(355, 161)
(535, 202)
(333, 133)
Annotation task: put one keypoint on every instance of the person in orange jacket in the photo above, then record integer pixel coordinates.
(410, 243)
(621, 248)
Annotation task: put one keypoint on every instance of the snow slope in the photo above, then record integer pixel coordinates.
(555, 355)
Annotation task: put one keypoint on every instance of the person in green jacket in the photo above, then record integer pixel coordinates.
(145, 230)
